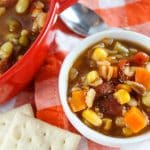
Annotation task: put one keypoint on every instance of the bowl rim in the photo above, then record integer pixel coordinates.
(63, 85)
(36, 43)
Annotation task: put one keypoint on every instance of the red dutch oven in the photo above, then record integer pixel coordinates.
(21, 73)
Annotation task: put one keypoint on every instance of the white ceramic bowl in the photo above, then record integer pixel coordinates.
(63, 86)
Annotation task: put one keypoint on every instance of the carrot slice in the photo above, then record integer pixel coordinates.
(135, 119)
(143, 76)
(77, 101)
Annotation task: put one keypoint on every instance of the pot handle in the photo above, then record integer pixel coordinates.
(63, 4)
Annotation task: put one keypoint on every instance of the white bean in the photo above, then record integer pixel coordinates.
(90, 97)
(22, 6)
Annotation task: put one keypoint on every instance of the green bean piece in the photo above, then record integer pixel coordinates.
(132, 51)
(121, 48)
(23, 40)
(22, 6)
(6, 50)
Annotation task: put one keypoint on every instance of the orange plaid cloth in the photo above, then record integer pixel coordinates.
(134, 14)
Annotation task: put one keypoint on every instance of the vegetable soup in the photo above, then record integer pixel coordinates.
(109, 88)
(21, 21)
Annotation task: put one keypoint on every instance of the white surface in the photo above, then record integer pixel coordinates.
(83, 129)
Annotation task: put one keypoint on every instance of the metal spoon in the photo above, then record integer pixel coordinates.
(82, 20)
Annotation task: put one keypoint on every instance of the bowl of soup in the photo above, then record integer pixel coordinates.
(26, 34)
(104, 87)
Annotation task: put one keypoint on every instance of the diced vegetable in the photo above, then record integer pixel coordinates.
(129, 71)
(148, 66)
(122, 96)
(135, 119)
(139, 58)
(103, 63)
(146, 100)
(22, 6)
(6, 50)
(96, 83)
(75, 88)
(101, 115)
(25, 32)
(143, 76)
(40, 20)
(125, 87)
(120, 121)
(127, 131)
(108, 41)
(23, 40)
(107, 123)
(99, 54)
(133, 51)
(39, 5)
(87, 123)
(133, 102)
(73, 73)
(77, 101)
(121, 48)
(91, 117)
(90, 97)
(92, 76)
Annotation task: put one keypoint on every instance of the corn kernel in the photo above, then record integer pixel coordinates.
(92, 76)
(91, 117)
(124, 86)
(99, 54)
(122, 96)
(97, 82)
(107, 123)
